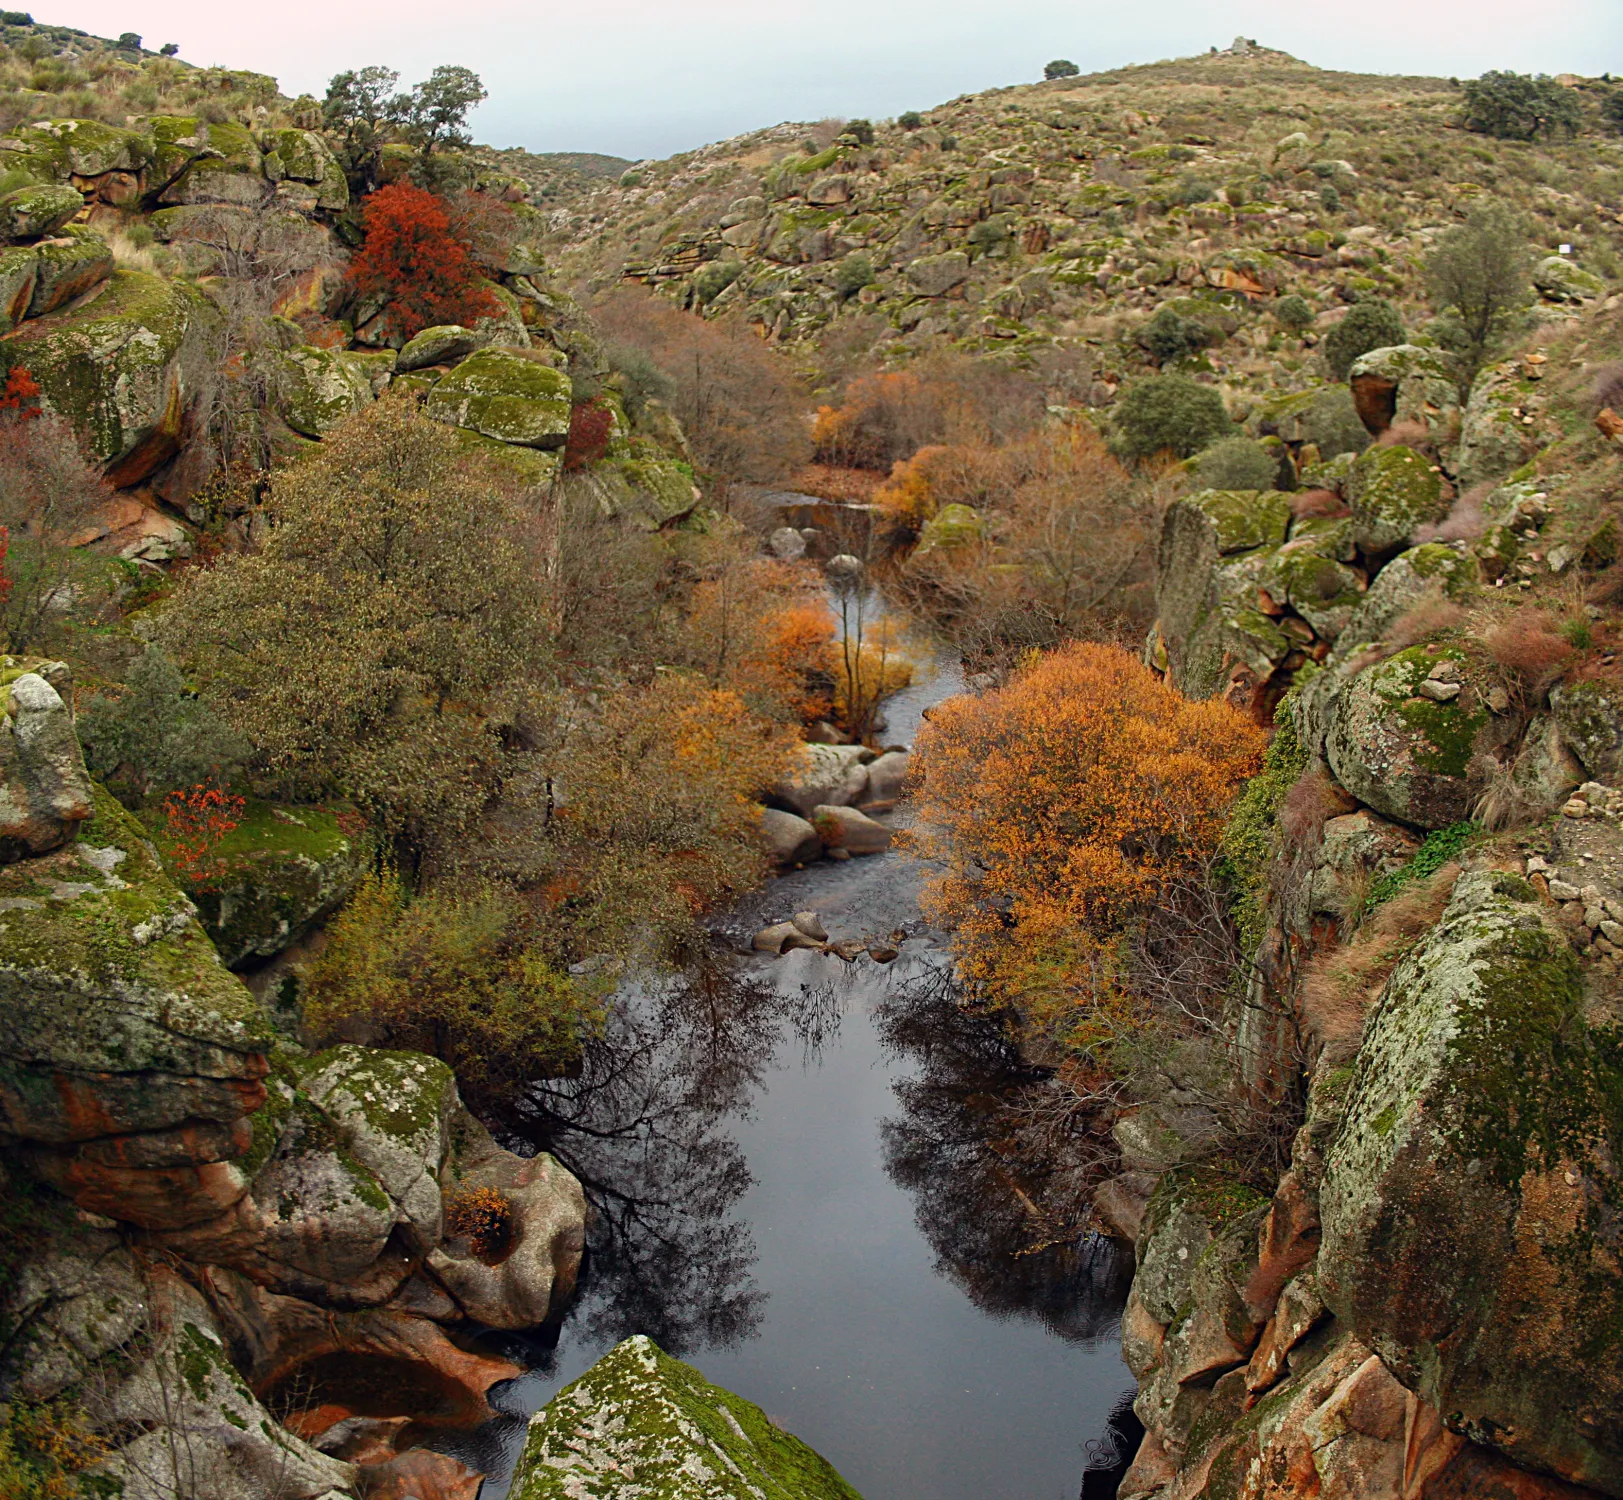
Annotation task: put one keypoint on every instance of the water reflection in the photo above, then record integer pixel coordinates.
(645, 1129)
(976, 1146)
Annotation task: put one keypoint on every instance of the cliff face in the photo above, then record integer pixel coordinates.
(238, 1227)
(1428, 1304)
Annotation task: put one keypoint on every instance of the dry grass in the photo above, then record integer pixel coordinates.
(1339, 986)
(1464, 523)
(1318, 505)
(1428, 619)
(1530, 652)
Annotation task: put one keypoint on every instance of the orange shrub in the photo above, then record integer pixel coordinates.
(1062, 808)
(484, 1217)
(883, 418)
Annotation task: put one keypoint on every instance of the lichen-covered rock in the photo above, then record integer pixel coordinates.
(1433, 570)
(1558, 280)
(19, 267)
(130, 1057)
(44, 788)
(58, 149)
(1310, 574)
(842, 827)
(1590, 716)
(303, 156)
(934, 275)
(1392, 493)
(1229, 520)
(65, 269)
(443, 344)
(503, 394)
(1470, 1199)
(112, 368)
(1397, 750)
(276, 874)
(209, 162)
(1499, 428)
(640, 1418)
(317, 388)
(1405, 384)
(31, 212)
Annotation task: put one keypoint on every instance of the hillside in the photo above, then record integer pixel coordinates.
(1062, 214)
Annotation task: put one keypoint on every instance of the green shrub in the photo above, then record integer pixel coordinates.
(1519, 107)
(1371, 324)
(989, 234)
(1440, 846)
(1191, 189)
(1061, 67)
(1330, 198)
(853, 273)
(1332, 423)
(1480, 278)
(1169, 336)
(1167, 413)
(1251, 835)
(1294, 312)
(710, 282)
(1237, 463)
(861, 129)
(910, 119)
(156, 736)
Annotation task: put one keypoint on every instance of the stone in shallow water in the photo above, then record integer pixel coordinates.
(641, 1424)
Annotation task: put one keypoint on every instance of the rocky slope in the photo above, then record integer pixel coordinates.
(1427, 1305)
(1058, 216)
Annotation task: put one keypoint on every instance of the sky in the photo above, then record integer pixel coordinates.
(644, 78)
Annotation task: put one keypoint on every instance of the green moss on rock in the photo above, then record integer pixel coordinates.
(503, 394)
(1393, 491)
(639, 1416)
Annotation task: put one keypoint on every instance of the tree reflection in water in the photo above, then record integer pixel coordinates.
(644, 1128)
(996, 1171)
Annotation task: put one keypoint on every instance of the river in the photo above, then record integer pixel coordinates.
(796, 1184)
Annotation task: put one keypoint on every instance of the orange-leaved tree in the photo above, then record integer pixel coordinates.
(413, 257)
(1064, 808)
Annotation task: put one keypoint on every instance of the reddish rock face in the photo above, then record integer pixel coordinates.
(418, 1475)
(173, 1197)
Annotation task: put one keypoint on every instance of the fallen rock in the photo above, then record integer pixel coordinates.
(787, 544)
(638, 1411)
(45, 793)
(30, 213)
(1393, 492)
(811, 924)
(887, 775)
(782, 937)
(1405, 384)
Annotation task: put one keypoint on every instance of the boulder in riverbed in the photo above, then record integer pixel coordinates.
(846, 828)
(828, 775)
(789, 838)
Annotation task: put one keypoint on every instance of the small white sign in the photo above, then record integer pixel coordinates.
(1566, 249)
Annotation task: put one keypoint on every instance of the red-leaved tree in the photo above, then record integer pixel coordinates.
(590, 425)
(413, 256)
(196, 820)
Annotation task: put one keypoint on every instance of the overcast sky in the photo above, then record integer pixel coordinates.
(643, 78)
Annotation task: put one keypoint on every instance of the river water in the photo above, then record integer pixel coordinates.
(796, 1181)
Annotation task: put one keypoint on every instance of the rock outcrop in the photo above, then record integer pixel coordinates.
(639, 1415)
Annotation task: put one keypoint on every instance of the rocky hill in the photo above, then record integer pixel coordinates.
(1063, 214)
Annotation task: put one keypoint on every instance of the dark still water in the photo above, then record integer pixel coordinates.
(808, 1209)
(801, 1180)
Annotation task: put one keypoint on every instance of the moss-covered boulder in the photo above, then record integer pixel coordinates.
(935, 275)
(65, 269)
(1405, 384)
(130, 1057)
(317, 388)
(506, 395)
(1589, 714)
(1471, 1199)
(1433, 570)
(19, 266)
(443, 344)
(32, 212)
(208, 162)
(952, 526)
(1500, 427)
(54, 150)
(1559, 280)
(1401, 734)
(1393, 491)
(274, 876)
(112, 367)
(639, 1415)
(45, 791)
(1310, 574)
(303, 156)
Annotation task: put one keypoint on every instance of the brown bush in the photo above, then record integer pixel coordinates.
(484, 1217)
(1530, 651)
(1339, 986)
(1464, 523)
(1428, 619)
(1315, 505)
